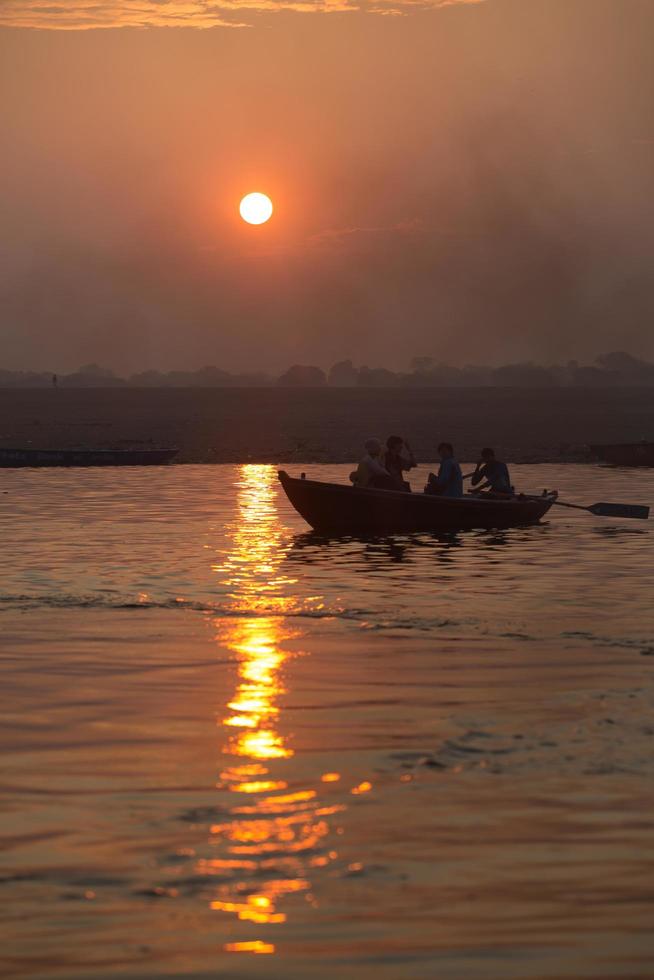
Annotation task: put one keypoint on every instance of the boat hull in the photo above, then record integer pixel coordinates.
(331, 508)
(626, 454)
(13, 458)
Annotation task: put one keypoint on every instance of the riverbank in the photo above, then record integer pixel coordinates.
(327, 425)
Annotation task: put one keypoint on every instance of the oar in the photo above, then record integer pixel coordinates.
(602, 509)
(635, 511)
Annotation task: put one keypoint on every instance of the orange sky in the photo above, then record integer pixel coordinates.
(471, 181)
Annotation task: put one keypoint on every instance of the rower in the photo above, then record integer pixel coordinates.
(493, 473)
(449, 481)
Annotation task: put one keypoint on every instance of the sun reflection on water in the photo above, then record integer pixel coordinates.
(277, 830)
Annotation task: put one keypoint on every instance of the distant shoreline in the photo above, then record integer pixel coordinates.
(290, 426)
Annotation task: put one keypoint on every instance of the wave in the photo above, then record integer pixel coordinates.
(226, 610)
(364, 619)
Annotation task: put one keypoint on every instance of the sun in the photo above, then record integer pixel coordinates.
(256, 208)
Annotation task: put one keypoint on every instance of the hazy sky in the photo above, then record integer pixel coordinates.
(471, 180)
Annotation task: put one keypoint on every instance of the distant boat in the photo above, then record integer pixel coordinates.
(85, 457)
(332, 508)
(626, 453)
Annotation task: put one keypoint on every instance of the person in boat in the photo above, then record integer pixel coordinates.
(491, 475)
(371, 471)
(449, 480)
(399, 459)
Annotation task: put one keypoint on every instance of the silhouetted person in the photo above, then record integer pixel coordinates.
(371, 472)
(399, 459)
(493, 473)
(449, 481)
(55, 381)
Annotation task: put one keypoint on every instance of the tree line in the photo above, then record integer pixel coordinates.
(615, 369)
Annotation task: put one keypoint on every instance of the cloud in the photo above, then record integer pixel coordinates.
(84, 15)
(81, 15)
(338, 237)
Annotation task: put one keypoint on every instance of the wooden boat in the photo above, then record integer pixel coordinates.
(332, 508)
(626, 454)
(85, 457)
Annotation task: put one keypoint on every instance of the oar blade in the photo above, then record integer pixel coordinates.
(634, 511)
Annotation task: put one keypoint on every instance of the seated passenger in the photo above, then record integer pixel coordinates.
(398, 459)
(494, 473)
(449, 482)
(371, 472)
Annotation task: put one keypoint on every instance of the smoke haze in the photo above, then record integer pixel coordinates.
(471, 182)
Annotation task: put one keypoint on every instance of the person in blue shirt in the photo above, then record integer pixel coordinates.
(449, 481)
(493, 473)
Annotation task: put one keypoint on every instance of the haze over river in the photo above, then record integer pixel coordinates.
(231, 749)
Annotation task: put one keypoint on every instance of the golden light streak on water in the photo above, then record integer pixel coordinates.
(282, 826)
(255, 946)
(256, 643)
(262, 786)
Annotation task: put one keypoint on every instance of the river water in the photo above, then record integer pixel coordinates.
(231, 749)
